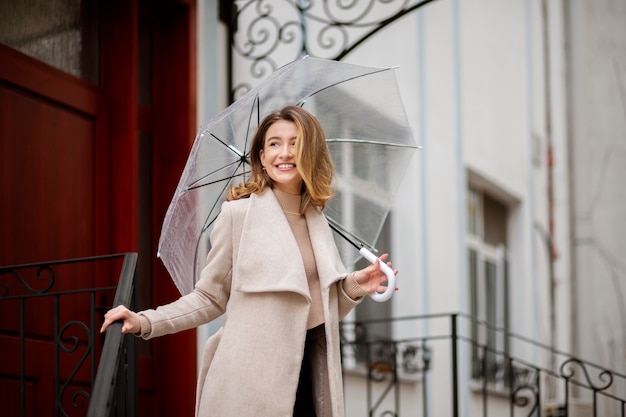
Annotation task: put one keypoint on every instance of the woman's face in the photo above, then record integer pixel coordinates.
(278, 156)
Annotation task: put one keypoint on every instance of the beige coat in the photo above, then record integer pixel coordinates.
(255, 274)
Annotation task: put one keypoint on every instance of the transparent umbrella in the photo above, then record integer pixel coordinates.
(368, 135)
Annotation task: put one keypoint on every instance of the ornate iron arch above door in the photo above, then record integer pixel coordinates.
(263, 33)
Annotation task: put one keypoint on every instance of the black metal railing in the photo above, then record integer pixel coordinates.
(50, 341)
(446, 369)
(434, 366)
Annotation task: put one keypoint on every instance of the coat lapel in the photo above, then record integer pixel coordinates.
(268, 250)
(330, 268)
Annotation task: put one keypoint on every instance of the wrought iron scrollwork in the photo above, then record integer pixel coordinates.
(522, 396)
(384, 360)
(525, 391)
(44, 273)
(266, 34)
(568, 371)
(381, 360)
(264, 26)
(70, 344)
(415, 358)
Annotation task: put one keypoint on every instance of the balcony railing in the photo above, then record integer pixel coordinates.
(438, 369)
(50, 341)
(432, 366)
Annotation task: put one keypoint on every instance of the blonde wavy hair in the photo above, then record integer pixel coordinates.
(313, 159)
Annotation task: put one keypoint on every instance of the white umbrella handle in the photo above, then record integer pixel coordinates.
(391, 277)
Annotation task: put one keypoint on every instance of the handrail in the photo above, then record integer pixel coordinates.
(112, 362)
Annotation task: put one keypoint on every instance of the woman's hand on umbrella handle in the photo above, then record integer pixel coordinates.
(385, 269)
(130, 320)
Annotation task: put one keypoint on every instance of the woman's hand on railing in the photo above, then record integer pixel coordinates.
(130, 320)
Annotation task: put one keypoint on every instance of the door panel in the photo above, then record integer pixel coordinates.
(52, 166)
(47, 183)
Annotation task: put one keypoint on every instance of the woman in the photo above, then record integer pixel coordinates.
(274, 269)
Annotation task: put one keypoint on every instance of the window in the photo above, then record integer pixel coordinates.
(488, 275)
(61, 33)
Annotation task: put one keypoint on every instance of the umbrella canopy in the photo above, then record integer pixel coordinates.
(367, 132)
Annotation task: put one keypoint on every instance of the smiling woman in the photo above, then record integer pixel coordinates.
(274, 269)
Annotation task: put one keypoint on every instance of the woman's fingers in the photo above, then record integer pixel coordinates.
(116, 314)
(109, 317)
(382, 276)
(371, 277)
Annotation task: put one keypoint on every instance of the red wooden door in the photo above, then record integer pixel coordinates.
(87, 168)
(55, 188)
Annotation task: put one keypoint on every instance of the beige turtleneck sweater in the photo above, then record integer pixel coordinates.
(290, 204)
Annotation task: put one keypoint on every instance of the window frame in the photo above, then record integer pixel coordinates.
(485, 319)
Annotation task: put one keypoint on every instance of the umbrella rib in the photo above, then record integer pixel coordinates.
(348, 236)
(193, 186)
(215, 203)
(257, 99)
(232, 148)
(207, 225)
(216, 181)
(341, 82)
(373, 142)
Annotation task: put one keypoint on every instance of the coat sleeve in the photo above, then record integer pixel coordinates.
(211, 293)
(346, 302)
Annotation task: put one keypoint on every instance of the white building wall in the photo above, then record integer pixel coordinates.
(597, 88)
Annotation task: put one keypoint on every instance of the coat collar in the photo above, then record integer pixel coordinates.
(268, 250)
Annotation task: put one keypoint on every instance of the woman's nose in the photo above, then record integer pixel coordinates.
(286, 151)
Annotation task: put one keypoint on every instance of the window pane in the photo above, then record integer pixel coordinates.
(61, 33)
(472, 212)
(473, 276)
(494, 219)
(491, 290)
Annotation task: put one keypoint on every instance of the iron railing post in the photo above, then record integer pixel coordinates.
(57, 360)
(455, 364)
(22, 360)
(132, 370)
